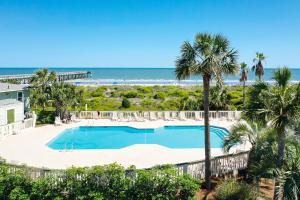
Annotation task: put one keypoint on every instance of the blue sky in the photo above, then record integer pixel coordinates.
(142, 33)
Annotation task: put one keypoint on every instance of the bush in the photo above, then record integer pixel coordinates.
(125, 103)
(18, 194)
(45, 117)
(101, 182)
(233, 190)
(99, 92)
(160, 95)
(178, 92)
(145, 89)
(130, 94)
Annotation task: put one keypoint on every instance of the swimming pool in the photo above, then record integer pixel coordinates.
(116, 137)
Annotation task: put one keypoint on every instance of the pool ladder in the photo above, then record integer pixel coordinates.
(66, 147)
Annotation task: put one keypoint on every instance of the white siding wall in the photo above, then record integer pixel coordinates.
(19, 112)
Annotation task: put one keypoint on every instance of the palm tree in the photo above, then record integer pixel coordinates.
(258, 65)
(244, 78)
(40, 84)
(219, 98)
(63, 97)
(210, 57)
(281, 106)
(290, 175)
(242, 132)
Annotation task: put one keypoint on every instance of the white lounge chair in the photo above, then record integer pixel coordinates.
(137, 118)
(197, 116)
(167, 116)
(152, 116)
(57, 121)
(114, 116)
(181, 116)
(121, 118)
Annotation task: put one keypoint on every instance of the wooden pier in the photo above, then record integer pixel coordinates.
(61, 76)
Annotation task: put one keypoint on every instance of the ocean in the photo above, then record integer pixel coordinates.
(141, 75)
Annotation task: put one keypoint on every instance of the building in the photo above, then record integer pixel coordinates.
(14, 103)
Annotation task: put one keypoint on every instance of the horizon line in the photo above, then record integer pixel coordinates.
(114, 67)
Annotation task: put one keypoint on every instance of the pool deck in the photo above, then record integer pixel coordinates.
(29, 147)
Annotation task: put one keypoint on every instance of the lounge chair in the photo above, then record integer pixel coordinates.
(152, 116)
(114, 116)
(74, 119)
(57, 121)
(197, 116)
(181, 116)
(121, 118)
(167, 116)
(137, 118)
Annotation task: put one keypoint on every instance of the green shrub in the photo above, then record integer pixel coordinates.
(234, 190)
(99, 92)
(99, 103)
(130, 94)
(99, 183)
(145, 89)
(162, 183)
(45, 188)
(45, 117)
(13, 185)
(178, 92)
(125, 103)
(160, 95)
(148, 105)
(18, 194)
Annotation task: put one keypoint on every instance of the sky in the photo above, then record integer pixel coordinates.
(142, 33)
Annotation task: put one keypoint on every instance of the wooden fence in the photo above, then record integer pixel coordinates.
(220, 165)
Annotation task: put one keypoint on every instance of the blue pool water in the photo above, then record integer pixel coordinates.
(116, 137)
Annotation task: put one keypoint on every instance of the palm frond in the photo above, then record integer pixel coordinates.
(282, 76)
(186, 62)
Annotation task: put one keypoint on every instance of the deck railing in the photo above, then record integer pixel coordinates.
(230, 115)
(220, 165)
(14, 128)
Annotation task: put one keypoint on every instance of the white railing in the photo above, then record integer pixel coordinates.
(16, 127)
(230, 115)
(220, 165)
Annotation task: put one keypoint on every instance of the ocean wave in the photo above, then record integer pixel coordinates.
(155, 82)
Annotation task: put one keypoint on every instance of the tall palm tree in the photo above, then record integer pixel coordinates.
(244, 78)
(210, 57)
(40, 84)
(281, 107)
(258, 65)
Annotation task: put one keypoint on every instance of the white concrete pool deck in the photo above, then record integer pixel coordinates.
(29, 147)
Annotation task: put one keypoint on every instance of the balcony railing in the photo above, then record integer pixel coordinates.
(220, 165)
(15, 128)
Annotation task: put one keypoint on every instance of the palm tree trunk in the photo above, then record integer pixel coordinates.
(281, 146)
(244, 87)
(278, 192)
(206, 82)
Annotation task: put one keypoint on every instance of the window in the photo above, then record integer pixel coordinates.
(20, 96)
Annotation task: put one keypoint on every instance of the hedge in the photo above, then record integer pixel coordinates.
(109, 182)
